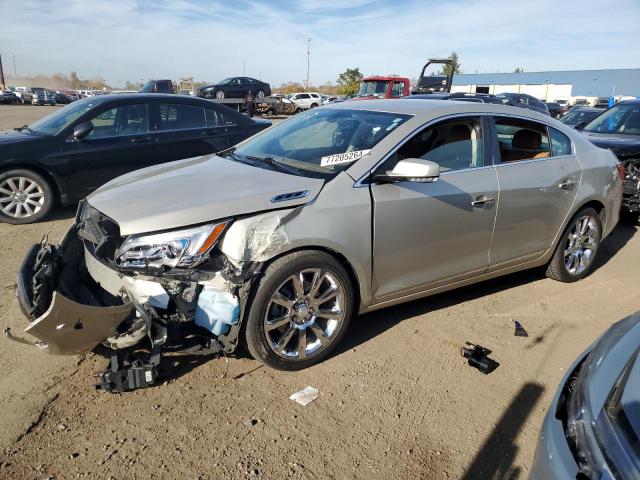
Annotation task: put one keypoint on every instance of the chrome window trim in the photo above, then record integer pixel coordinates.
(361, 181)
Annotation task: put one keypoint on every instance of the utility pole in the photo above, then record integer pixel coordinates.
(1, 74)
(244, 68)
(308, 55)
(15, 72)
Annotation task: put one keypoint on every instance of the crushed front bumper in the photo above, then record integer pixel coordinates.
(69, 313)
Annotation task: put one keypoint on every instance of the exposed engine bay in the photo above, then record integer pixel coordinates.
(631, 195)
(96, 288)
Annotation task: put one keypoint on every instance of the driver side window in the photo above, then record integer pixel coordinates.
(119, 121)
(453, 144)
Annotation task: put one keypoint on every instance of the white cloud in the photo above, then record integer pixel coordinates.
(129, 40)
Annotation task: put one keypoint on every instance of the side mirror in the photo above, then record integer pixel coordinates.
(81, 131)
(580, 125)
(410, 170)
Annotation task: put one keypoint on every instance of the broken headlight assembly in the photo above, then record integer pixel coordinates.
(183, 248)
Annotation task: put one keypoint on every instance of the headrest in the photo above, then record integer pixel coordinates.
(527, 140)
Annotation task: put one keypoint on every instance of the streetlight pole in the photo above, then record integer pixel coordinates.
(15, 73)
(244, 68)
(308, 55)
(1, 74)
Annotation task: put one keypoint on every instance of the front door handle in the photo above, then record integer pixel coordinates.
(567, 184)
(483, 202)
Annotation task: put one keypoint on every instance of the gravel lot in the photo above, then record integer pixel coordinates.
(397, 400)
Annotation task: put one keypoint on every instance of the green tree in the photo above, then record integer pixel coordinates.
(455, 65)
(349, 81)
(519, 70)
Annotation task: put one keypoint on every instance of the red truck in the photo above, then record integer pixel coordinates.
(372, 88)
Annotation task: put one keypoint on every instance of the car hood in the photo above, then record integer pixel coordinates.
(608, 358)
(193, 191)
(14, 136)
(621, 145)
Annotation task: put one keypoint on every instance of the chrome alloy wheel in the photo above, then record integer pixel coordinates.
(304, 314)
(20, 197)
(581, 245)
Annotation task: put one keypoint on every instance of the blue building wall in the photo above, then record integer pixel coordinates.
(588, 83)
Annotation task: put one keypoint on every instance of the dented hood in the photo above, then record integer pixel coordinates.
(194, 191)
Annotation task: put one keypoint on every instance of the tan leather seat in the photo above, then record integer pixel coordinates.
(525, 144)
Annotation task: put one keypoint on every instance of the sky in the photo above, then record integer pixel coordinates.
(135, 40)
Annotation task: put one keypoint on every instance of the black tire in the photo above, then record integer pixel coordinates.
(297, 110)
(219, 94)
(270, 112)
(313, 105)
(275, 274)
(260, 94)
(557, 268)
(43, 185)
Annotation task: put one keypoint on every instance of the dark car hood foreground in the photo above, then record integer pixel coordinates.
(622, 145)
(196, 190)
(14, 136)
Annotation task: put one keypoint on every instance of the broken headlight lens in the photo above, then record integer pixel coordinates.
(179, 248)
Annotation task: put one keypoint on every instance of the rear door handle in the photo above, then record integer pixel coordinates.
(567, 184)
(141, 140)
(483, 202)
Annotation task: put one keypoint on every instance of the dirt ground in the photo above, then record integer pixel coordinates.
(397, 400)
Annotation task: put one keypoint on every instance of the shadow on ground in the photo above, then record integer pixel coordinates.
(495, 458)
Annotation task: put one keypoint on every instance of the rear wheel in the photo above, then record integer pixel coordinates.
(260, 94)
(313, 105)
(25, 197)
(297, 110)
(300, 311)
(577, 249)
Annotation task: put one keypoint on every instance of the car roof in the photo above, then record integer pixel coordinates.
(435, 108)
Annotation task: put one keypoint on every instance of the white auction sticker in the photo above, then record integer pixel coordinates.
(343, 157)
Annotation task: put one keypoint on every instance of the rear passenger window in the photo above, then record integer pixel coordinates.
(521, 140)
(214, 118)
(560, 143)
(179, 117)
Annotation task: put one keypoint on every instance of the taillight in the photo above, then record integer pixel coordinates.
(620, 167)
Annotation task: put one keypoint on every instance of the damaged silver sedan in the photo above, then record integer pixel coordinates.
(278, 242)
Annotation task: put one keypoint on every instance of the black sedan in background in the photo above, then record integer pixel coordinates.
(581, 115)
(555, 109)
(66, 155)
(235, 87)
(524, 100)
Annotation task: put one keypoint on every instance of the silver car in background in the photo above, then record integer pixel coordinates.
(340, 210)
(592, 429)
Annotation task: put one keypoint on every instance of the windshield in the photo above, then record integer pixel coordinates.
(320, 142)
(149, 87)
(622, 118)
(574, 117)
(224, 81)
(377, 88)
(57, 121)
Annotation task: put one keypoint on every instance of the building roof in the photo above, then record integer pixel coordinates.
(588, 83)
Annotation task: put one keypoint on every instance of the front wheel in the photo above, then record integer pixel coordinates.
(577, 249)
(300, 311)
(313, 105)
(260, 94)
(219, 94)
(25, 197)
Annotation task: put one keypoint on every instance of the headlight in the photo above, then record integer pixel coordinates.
(179, 248)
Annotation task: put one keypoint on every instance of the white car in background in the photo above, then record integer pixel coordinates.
(306, 100)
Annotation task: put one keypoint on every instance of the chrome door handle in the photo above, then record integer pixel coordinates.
(483, 202)
(567, 184)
